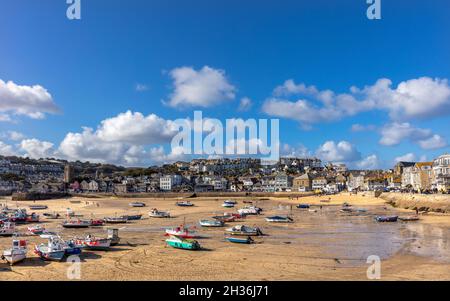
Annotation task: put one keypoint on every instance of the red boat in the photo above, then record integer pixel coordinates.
(32, 218)
(97, 222)
(182, 232)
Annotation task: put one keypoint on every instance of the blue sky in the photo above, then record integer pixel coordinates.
(228, 50)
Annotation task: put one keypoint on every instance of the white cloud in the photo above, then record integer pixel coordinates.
(6, 150)
(299, 152)
(32, 101)
(37, 149)
(394, 133)
(434, 142)
(15, 136)
(245, 104)
(204, 88)
(342, 151)
(141, 87)
(409, 157)
(362, 128)
(413, 99)
(369, 162)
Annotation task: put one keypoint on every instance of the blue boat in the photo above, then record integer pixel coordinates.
(383, 219)
(71, 248)
(239, 240)
(184, 204)
(303, 206)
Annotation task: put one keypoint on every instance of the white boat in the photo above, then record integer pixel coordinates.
(7, 229)
(242, 230)
(279, 219)
(53, 250)
(137, 204)
(158, 214)
(182, 232)
(211, 223)
(93, 243)
(17, 253)
(252, 210)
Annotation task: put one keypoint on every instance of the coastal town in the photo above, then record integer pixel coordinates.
(289, 174)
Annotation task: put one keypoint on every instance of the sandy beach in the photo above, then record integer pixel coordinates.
(322, 245)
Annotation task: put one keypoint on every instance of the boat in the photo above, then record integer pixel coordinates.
(116, 220)
(53, 250)
(76, 224)
(346, 210)
(382, 218)
(225, 218)
(113, 235)
(279, 219)
(159, 214)
(47, 234)
(228, 205)
(251, 210)
(32, 218)
(242, 230)
(183, 243)
(411, 218)
(38, 207)
(182, 232)
(184, 204)
(132, 217)
(7, 229)
(303, 206)
(93, 243)
(19, 216)
(211, 223)
(17, 253)
(97, 222)
(235, 215)
(248, 202)
(239, 240)
(52, 215)
(137, 204)
(72, 248)
(36, 230)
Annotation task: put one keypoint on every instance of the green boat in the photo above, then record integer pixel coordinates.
(182, 243)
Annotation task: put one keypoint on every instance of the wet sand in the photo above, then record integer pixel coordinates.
(322, 245)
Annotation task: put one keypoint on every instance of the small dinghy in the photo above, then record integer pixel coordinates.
(93, 243)
(36, 230)
(182, 232)
(17, 253)
(97, 222)
(411, 218)
(52, 215)
(7, 229)
(183, 243)
(113, 235)
(211, 223)
(159, 214)
(184, 204)
(383, 219)
(346, 210)
(303, 206)
(227, 205)
(242, 230)
(38, 207)
(225, 218)
(137, 204)
(76, 224)
(279, 219)
(116, 220)
(53, 250)
(239, 240)
(251, 210)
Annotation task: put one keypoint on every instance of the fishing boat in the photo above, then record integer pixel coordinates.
(133, 217)
(19, 216)
(116, 220)
(159, 214)
(279, 219)
(93, 243)
(97, 222)
(182, 232)
(211, 223)
(7, 229)
(411, 218)
(72, 248)
(382, 218)
(303, 206)
(76, 224)
(38, 207)
(137, 204)
(53, 250)
(113, 235)
(225, 218)
(239, 240)
(36, 230)
(17, 253)
(184, 204)
(183, 243)
(242, 230)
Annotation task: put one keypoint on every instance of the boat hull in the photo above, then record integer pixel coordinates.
(14, 256)
(237, 240)
(49, 255)
(183, 245)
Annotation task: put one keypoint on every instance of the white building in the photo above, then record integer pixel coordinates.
(441, 173)
(166, 183)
